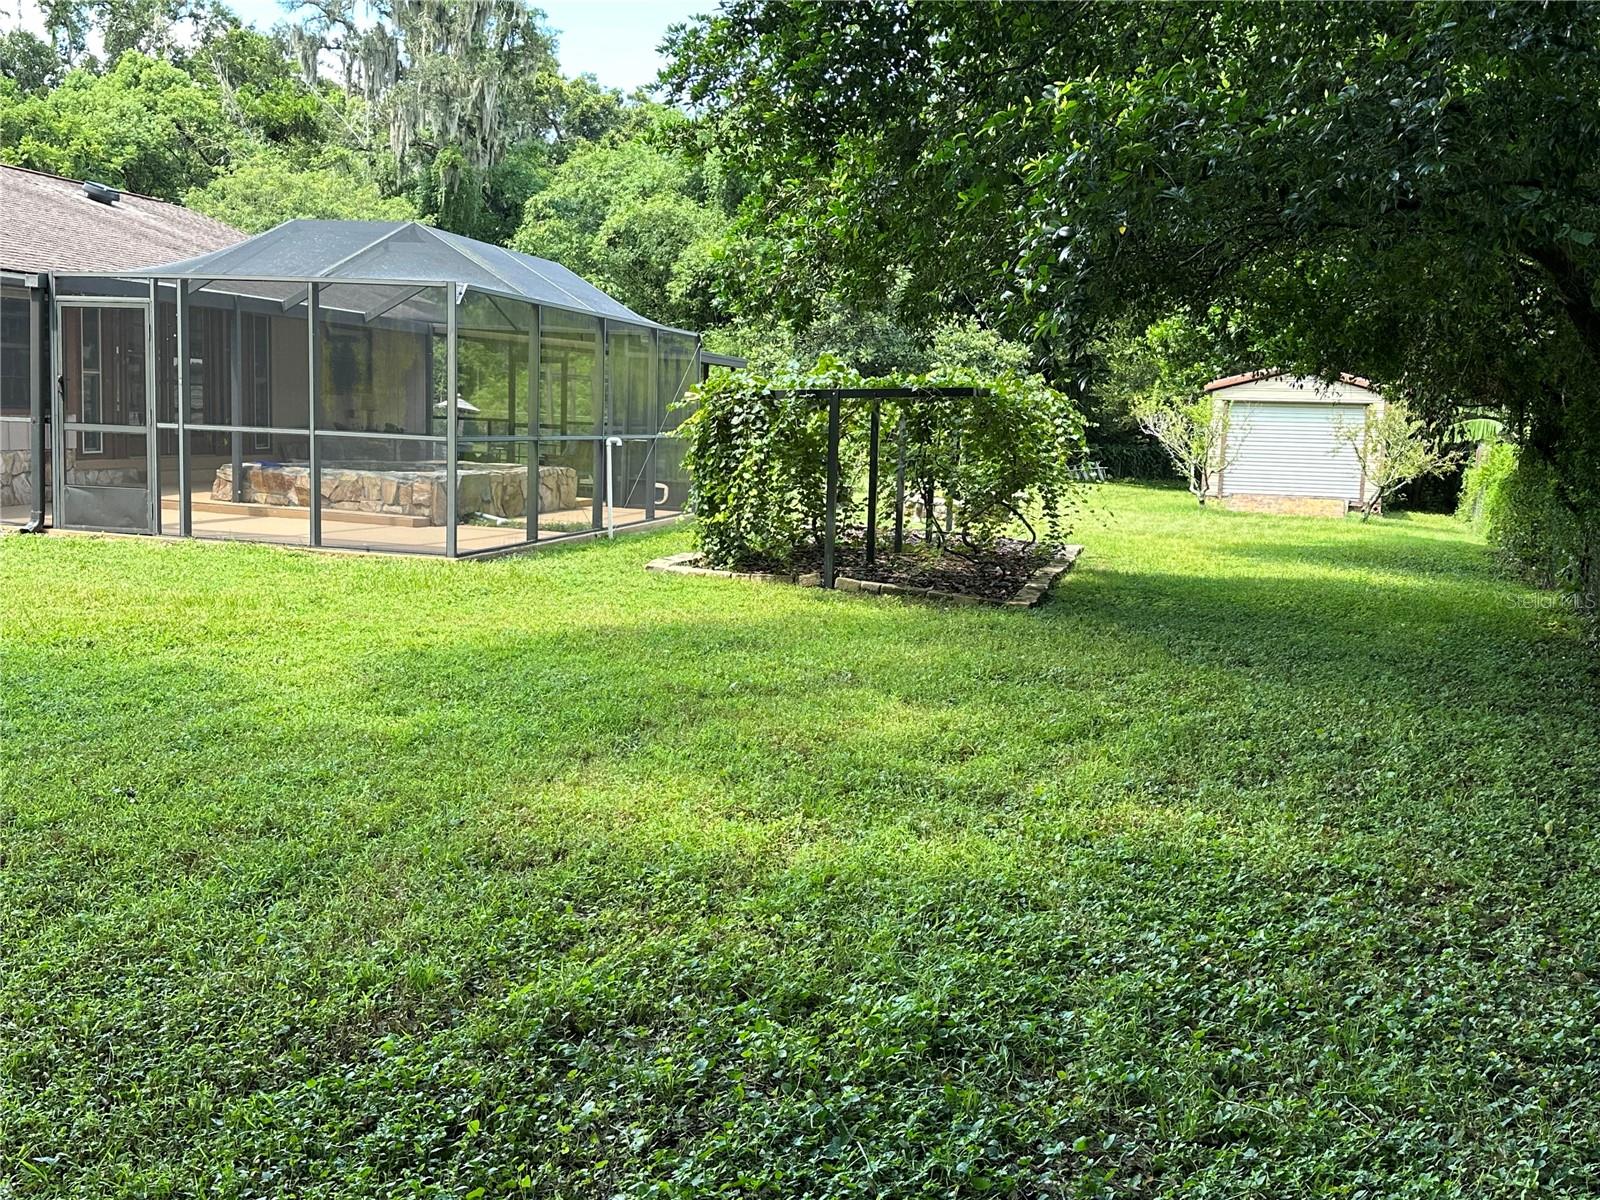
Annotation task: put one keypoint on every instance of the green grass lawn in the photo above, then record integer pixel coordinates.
(1261, 861)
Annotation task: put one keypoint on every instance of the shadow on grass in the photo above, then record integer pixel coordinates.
(735, 877)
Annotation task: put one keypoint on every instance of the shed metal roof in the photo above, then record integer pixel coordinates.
(404, 251)
(1228, 381)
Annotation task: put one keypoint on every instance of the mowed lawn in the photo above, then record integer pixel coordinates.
(1261, 862)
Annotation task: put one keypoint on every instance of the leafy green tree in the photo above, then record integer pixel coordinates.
(869, 339)
(868, 128)
(1166, 364)
(28, 62)
(1359, 185)
(645, 253)
(562, 220)
(144, 125)
(266, 189)
(448, 91)
(631, 216)
(158, 28)
(259, 88)
(581, 110)
(962, 344)
(68, 23)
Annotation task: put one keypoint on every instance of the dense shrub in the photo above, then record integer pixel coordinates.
(1515, 499)
(757, 458)
(1002, 458)
(1481, 483)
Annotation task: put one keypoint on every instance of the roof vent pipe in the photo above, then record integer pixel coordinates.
(104, 193)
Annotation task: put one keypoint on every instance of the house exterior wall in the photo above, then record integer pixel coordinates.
(290, 391)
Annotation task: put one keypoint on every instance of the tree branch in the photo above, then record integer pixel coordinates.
(1576, 292)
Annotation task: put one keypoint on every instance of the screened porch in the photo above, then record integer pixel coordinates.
(367, 386)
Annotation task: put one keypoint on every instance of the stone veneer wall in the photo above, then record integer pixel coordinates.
(499, 490)
(16, 477)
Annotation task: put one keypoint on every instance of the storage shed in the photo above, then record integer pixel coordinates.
(1283, 451)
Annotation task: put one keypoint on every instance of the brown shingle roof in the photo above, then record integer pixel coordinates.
(1228, 381)
(48, 224)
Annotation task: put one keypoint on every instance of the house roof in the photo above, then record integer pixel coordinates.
(1228, 381)
(47, 223)
(373, 252)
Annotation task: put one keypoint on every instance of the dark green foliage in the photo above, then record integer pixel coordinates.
(1408, 192)
(757, 452)
(27, 62)
(868, 128)
(758, 459)
(145, 126)
(638, 218)
(1257, 863)
(259, 85)
(453, 113)
(872, 340)
(1515, 500)
(271, 187)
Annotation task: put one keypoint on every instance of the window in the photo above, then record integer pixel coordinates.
(16, 331)
(259, 381)
(90, 408)
(197, 388)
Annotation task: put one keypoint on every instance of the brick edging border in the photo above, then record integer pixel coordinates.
(1029, 595)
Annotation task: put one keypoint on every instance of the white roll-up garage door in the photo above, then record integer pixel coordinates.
(1293, 450)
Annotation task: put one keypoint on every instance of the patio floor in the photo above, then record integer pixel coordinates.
(355, 530)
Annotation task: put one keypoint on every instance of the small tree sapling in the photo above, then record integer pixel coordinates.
(1394, 448)
(1194, 433)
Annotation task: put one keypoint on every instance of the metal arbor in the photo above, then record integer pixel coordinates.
(834, 398)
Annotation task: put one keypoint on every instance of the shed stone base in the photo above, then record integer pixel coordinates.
(1291, 506)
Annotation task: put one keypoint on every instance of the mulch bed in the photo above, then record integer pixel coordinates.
(995, 573)
(1011, 574)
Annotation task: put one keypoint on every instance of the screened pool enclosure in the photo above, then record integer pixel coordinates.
(366, 385)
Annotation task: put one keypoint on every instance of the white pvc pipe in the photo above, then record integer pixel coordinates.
(611, 489)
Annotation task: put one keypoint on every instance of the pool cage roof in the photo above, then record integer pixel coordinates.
(407, 252)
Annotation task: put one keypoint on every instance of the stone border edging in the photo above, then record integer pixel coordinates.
(1029, 595)
(1032, 593)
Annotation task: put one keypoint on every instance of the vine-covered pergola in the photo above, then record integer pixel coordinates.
(835, 399)
(766, 453)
